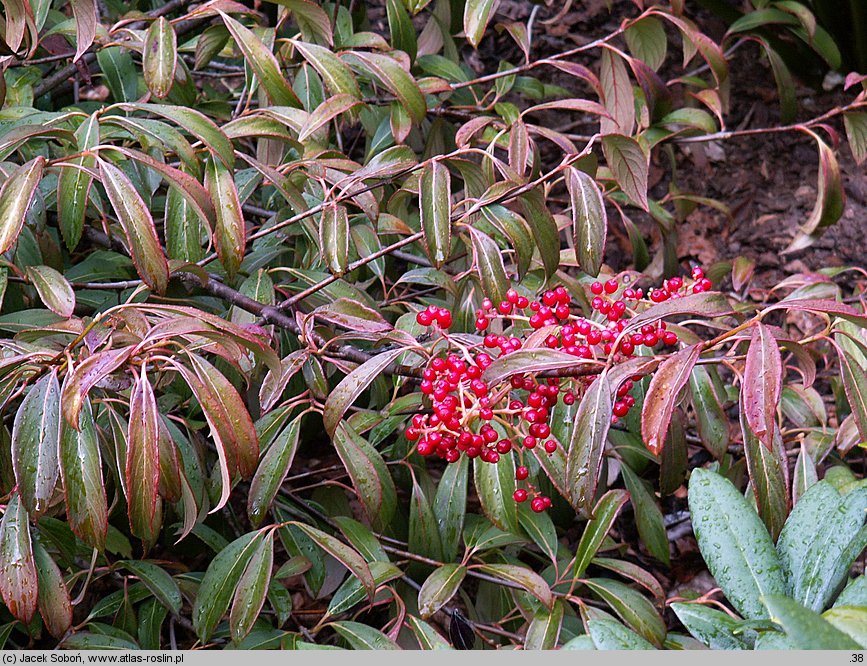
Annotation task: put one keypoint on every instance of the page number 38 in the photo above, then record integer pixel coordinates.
(857, 658)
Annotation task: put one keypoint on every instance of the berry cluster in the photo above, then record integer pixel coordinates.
(469, 417)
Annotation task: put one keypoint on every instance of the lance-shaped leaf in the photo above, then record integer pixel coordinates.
(343, 554)
(631, 606)
(138, 226)
(53, 600)
(439, 588)
(856, 132)
(15, 197)
(83, 487)
(326, 112)
(335, 73)
(662, 395)
(450, 506)
(434, 195)
(272, 471)
(390, 74)
(231, 426)
(18, 577)
(334, 238)
(263, 63)
(489, 263)
(604, 513)
(230, 232)
(160, 57)
(618, 95)
(220, 582)
(630, 165)
(806, 628)
(529, 580)
(158, 581)
(708, 304)
(252, 588)
(196, 123)
(363, 637)
(589, 434)
(85, 376)
(530, 360)
(589, 220)
(370, 477)
(352, 386)
(544, 229)
(275, 382)
(544, 629)
(734, 543)
(73, 184)
(515, 228)
(86, 20)
(762, 384)
(35, 443)
(769, 476)
(830, 199)
(477, 14)
(53, 289)
(142, 458)
(855, 385)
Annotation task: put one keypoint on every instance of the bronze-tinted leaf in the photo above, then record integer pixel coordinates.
(589, 434)
(142, 459)
(434, 195)
(762, 384)
(15, 198)
(230, 233)
(589, 220)
(54, 290)
(630, 165)
(53, 600)
(160, 57)
(18, 576)
(334, 238)
(662, 395)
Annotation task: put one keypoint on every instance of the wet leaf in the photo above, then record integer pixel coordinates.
(334, 238)
(435, 206)
(589, 220)
(18, 575)
(762, 385)
(252, 588)
(529, 580)
(489, 263)
(230, 232)
(587, 441)
(629, 164)
(16, 196)
(158, 581)
(53, 289)
(142, 459)
(604, 514)
(477, 14)
(439, 588)
(54, 603)
(662, 396)
(272, 471)
(160, 57)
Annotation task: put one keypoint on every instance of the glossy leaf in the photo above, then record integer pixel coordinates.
(439, 588)
(808, 629)
(53, 289)
(83, 484)
(586, 444)
(18, 574)
(604, 514)
(230, 232)
(489, 263)
(73, 184)
(589, 220)
(362, 637)
(158, 581)
(763, 383)
(662, 395)
(769, 477)
(54, 603)
(86, 20)
(544, 629)
(629, 164)
(609, 634)
(160, 57)
(142, 459)
(272, 471)
(435, 208)
(16, 195)
(252, 588)
(450, 505)
(717, 630)
(334, 238)
(477, 14)
(632, 607)
(735, 545)
(138, 226)
(648, 517)
(543, 228)
(35, 443)
(530, 581)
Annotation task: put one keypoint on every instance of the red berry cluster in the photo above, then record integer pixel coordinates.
(465, 409)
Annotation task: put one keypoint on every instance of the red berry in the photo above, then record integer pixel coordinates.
(596, 288)
(521, 473)
(611, 286)
(669, 338)
(520, 495)
(504, 446)
(538, 505)
(620, 409)
(425, 448)
(504, 307)
(550, 446)
(424, 318)
(512, 296)
(482, 323)
(411, 434)
(453, 455)
(522, 302)
(569, 399)
(529, 442)
(549, 298)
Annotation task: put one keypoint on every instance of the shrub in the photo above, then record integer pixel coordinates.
(326, 301)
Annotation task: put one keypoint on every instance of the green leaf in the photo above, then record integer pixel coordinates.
(608, 634)
(647, 41)
(477, 14)
(648, 516)
(83, 485)
(138, 226)
(604, 514)
(344, 554)
(220, 582)
(631, 606)
(851, 620)
(263, 63)
(734, 543)
(401, 29)
(160, 57)
(362, 637)
(353, 385)
(814, 544)
(424, 536)
(54, 603)
(717, 630)
(489, 262)
(527, 579)
(158, 581)
(18, 576)
(394, 77)
(53, 289)
(589, 434)
(629, 164)
(540, 528)
(252, 588)
(73, 184)
(544, 629)
(856, 133)
(35, 443)
(806, 628)
(142, 460)
(369, 473)
(335, 73)
(855, 385)
(230, 232)
(711, 421)
(272, 471)
(450, 506)
(16, 196)
(525, 361)
(515, 228)
(589, 220)
(830, 199)
(543, 228)
(351, 592)
(495, 485)
(334, 238)
(151, 615)
(439, 588)
(428, 638)
(86, 640)
(434, 196)
(769, 477)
